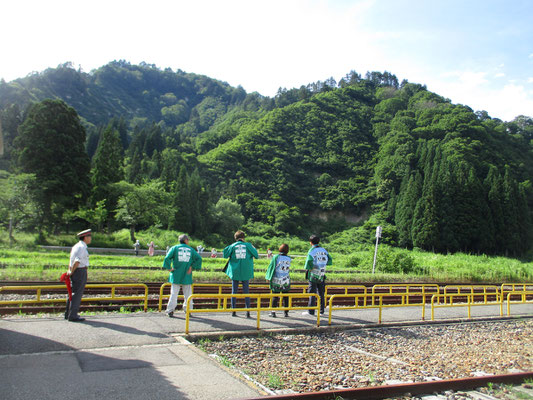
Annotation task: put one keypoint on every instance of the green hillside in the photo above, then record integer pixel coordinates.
(185, 152)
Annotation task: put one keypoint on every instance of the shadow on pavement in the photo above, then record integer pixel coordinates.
(123, 329)
(56, 371)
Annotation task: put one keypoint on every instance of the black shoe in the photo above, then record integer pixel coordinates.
(233, 314)
(286, 313)
(170, 314)
(79, 319)
(272, 314)
(248, 314)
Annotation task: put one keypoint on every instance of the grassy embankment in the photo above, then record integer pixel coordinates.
(424, 267)
(352, 262)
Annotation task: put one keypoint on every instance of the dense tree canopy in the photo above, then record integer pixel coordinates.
(186, 152)
(51, 145)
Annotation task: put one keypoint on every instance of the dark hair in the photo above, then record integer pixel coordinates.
(314, 239)
(239, 235)
(284, 248)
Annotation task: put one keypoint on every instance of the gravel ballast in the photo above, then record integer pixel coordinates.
(371, 357)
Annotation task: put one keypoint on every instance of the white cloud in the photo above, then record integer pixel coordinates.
(468, 78)
(259, 45)
(474, 90)
(530, 80)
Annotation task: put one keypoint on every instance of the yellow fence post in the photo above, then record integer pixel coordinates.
(161, 297)
(258, 311)
(380, 308)
(432, 306)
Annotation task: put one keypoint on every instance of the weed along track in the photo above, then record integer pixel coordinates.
(373, 357)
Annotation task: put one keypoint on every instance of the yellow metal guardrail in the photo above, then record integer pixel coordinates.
(523, 294)
(220, 287)
(488, 290)
(346, 288)
(380, 306)
(62, 288)
(469, 302)
(423, 290)
(513, 287)
(258, 308)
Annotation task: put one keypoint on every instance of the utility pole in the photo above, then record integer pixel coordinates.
(378, 235)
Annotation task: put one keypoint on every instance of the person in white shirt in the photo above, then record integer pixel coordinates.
(77, 271)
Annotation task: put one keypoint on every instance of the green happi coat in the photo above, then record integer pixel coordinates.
(181, 257)
(241, 260)
(315, 264)
(278, 273)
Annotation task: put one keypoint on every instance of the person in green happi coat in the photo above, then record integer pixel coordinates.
(181, 260)
(279, 277)
(315, 264)
(240, 267)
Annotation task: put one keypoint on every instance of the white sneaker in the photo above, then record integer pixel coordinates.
(307, 313)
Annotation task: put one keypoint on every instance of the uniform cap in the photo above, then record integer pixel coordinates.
(86, 232)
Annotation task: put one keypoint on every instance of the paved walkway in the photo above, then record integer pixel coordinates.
(146, 356)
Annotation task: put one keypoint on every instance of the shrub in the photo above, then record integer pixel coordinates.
(352, 261)
(394, 262)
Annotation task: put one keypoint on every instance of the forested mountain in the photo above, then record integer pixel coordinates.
(138, 93)
(190, 153)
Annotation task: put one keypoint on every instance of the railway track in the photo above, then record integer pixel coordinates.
(154, 293)
(466, 386)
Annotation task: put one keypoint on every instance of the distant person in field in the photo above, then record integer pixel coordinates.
(240, 267)
(278, 276)
(213, 253)
(315, 265)
(77, 270)
(136, 247)
(181, 260)
(151, 248)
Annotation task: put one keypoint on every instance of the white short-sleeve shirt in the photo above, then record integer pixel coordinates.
(80, 253)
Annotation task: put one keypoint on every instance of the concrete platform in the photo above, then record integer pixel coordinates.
(145, 355)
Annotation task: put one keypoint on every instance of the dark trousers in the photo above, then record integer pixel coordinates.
(235, 290)
(78, 280)
(318, 288)
(275, 301)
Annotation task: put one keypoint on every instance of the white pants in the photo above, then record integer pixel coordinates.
(173, 300)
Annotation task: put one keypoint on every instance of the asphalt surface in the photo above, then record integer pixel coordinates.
(148, 356)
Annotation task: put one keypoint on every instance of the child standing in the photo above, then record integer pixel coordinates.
(278, 275)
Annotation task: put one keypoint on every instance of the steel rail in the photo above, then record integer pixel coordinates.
(387, 391)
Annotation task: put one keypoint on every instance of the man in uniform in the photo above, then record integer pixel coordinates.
(77, 271)
(181, 260)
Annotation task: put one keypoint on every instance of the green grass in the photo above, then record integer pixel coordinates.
(350, 265)
(225, 361)
(275, 382)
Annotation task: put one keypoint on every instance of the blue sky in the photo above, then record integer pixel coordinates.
(478, 53)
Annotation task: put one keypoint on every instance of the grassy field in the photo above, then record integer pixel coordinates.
(393, 265)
